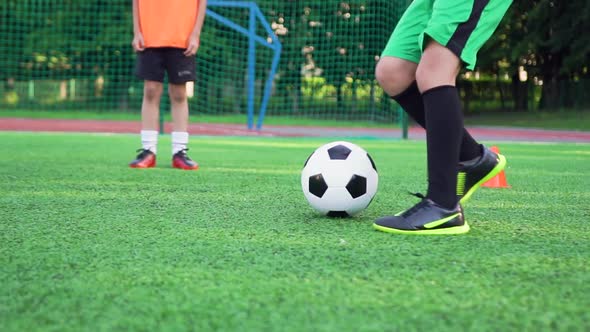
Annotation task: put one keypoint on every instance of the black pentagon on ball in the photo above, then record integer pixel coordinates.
(338, 214)
(357, 186)
(317, 185)
(339, 152)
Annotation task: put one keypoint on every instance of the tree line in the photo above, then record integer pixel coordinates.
(339, 41)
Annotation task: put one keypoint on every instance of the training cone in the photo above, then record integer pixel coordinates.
(498, 181)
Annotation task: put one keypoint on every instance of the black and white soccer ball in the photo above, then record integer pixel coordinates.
(339, 179)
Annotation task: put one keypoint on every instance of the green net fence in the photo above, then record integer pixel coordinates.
(76, 55)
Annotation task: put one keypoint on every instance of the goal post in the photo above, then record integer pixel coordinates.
(293, 62)
(302, 60)
(255, 16)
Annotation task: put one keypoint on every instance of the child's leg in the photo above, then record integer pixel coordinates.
(454, 33)
(150, 109)
(179, 106)
(179, 103)
(149, 68)
(150, 106)
(150, 112)
(444, 121)
(180, 69)
(397, 77)
(396, 69)
(180, 115)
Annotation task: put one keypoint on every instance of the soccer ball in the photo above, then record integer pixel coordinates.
(339, 179)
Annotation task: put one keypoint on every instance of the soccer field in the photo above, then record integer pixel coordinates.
(87, 244)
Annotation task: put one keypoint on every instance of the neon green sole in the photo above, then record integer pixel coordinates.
(490, 175)
(442, 231)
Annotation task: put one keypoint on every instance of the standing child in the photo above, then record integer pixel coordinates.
(418, 68)
(166, 39)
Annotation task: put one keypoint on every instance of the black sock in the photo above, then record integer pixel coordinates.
(444, 132)
(411, 101)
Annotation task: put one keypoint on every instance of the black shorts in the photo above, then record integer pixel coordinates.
(153, 63)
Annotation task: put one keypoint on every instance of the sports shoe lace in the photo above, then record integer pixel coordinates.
(142, 153)
(423, 203)
(182, 153)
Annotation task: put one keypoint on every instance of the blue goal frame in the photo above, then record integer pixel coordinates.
(253, 38)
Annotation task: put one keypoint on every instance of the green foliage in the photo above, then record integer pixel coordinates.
(337, 41)
(88, 244)
(549, 40)
(54, 41)
(557, 35)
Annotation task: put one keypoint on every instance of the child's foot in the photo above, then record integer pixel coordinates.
(471, 177)
(145, 159)
(182, 161)
(425, 218)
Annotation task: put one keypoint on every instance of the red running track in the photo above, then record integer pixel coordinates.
(207, 129)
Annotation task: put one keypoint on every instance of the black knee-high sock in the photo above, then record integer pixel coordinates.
(444, 132)
(411, 101)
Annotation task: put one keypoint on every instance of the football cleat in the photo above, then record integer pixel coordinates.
(145, 159)
(182, 161)
(471, 177)
(425, 218)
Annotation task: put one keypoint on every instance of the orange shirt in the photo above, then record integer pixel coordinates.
(167, 23)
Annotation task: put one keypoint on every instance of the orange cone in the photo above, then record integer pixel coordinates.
(498, 181)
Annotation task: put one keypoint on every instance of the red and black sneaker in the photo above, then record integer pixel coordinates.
(182, 161)
(145, 159)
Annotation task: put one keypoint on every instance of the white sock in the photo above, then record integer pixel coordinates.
(149, 140)
(179, 141)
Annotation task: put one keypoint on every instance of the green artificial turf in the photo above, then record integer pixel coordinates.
(578, 120)
(87, 244)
